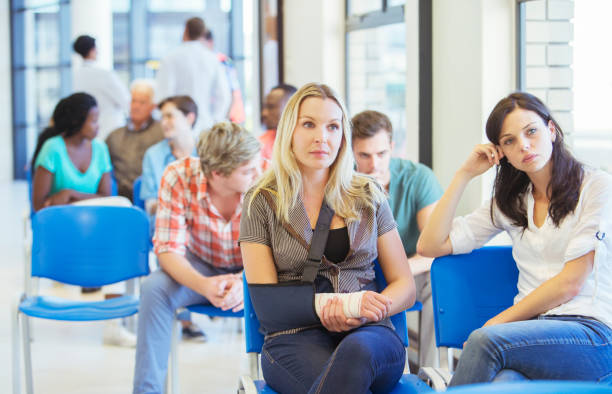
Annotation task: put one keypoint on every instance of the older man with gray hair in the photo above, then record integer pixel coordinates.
(127, 145)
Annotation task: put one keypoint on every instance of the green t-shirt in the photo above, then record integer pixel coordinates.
(54, 158)
(412, 187)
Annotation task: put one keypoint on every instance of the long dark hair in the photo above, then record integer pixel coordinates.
(68, 118)
(511, 184)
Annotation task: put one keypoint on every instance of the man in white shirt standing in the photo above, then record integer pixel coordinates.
(111, 94)
(193, 70)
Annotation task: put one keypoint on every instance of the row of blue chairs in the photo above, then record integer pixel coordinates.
(71, 244)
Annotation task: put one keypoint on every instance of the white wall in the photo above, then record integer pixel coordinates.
(6, 118)
(473, 67)
(94, 18)
(313, 34)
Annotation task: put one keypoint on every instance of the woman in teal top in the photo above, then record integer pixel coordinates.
(69, 164)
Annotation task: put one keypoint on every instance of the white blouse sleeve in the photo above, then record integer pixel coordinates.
(593, 230)
(476, 229)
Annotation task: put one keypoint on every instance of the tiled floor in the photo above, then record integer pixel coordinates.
(70, 358)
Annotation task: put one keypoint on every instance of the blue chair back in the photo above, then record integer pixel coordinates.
(136, 200)
(469, 289)
(90, 246)
(254, 339)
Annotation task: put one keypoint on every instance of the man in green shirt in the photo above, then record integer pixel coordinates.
(413, 192)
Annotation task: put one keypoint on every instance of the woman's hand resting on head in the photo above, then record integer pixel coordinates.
(482, 157)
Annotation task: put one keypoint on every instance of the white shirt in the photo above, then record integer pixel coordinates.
(541, 253)
(112, 96)
(194, 70)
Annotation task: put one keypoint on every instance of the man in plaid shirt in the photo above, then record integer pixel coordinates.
(196, 242)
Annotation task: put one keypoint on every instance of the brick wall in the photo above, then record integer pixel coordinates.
(548, 56)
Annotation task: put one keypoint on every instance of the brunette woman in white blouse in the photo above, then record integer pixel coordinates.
(558, 214)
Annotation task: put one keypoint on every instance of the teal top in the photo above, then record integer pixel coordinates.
(54, 158)
(412, 187)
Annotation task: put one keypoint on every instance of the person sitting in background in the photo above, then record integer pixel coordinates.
(236, 112)
(312, 163)
(128, 144)
(71, 166)
(273, 107)
(413, 191)
(179, 114)
(196, 234)
(558, 214)
(111, 94)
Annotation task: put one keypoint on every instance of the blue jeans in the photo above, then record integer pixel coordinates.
(549, 347)
(367, 359)
(160, 297)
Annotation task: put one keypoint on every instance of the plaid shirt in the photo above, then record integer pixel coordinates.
(186, 218)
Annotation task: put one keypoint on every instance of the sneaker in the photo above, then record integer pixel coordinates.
(117, 335)
(194, 333)
(88, 290)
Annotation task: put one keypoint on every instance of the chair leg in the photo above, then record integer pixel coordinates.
(27, 354)
(451, 356)
(254, 365)
(172, 378)
(437, 359)
(420, 348)
(15, 349)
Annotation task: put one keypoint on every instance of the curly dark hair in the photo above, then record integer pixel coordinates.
(68, 118)
(511, 184)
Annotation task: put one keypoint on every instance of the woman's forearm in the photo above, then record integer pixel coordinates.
(554, 292)
(434, 241)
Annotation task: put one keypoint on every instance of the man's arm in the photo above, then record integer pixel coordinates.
(214, 288)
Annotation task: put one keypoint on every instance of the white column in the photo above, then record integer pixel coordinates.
(94, 18)
(6, 105)
(473, 68)
(314, 43)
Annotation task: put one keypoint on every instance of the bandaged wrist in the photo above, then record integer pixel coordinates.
(351, 303)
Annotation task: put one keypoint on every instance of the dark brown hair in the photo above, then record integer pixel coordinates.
(511, 184)
(367, 124)
(185, 104)
(195, 28)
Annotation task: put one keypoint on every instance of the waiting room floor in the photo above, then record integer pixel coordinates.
(70, 357)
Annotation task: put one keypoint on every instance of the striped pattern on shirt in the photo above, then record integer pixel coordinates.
(290, 241)
(186, 218)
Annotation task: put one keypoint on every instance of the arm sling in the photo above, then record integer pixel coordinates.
(288, 305)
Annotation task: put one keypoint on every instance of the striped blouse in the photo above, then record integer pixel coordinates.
(290, 241)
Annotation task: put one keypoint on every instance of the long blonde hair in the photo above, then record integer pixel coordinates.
(345, 188)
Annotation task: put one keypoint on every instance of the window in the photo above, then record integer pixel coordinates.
(560, 65)
(377, 65)
(41, 70)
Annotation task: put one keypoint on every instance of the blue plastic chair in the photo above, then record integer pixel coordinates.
(467, 290)
(252, 383)
(136, 200)
(533, 387)
(85, 246)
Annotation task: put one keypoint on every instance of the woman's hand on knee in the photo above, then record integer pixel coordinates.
(334, 319)
(374, 306)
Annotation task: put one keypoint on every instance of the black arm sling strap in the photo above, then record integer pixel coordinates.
(288, 305)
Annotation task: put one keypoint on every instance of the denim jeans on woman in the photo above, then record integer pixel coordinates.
(367, 359)
(546, 348)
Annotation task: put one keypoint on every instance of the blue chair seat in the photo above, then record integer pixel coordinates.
(55, 308)
(213, 311)
(408, 384)
(539, 387)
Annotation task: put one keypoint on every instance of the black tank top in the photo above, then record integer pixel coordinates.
(338, 245)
